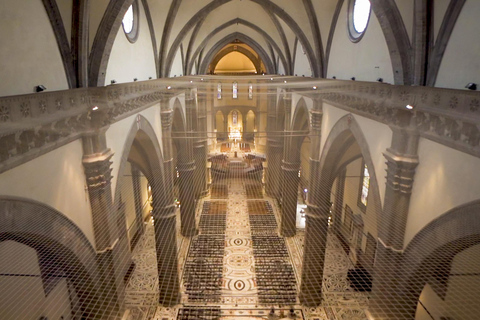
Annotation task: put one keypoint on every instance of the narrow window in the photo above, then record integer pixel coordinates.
(235, 90)
(219, 91)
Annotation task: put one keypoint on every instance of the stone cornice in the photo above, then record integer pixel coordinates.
(34, 124)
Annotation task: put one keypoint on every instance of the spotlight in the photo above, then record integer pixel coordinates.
(271, 79)
(201, 79)
(40, 88)
(285, 81)
(471, 86)
(169, 87)
(380, 79)
(191, 81)
(113, 81)
(95, 108)
(314, 87)
(135, 79)
(353, 78)
(409, 107)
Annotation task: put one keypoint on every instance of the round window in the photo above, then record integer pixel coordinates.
(358, 16)
(130, 22)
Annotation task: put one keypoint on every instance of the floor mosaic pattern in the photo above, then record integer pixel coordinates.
(237, 267)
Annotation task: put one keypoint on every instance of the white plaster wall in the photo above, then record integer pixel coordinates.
(117, 134)
(460, 64)
(29, 54)
(324, 10)
(55, 179)
(132, 60)
(97, 9)
(144, 194)
(21, 297)
(65, 8)
(302, 66)
(57, 303)
(366, 60)
(128, 199)
(444, 179)
(406, 10)
(440, 8)
(177, 66)
(377, 135)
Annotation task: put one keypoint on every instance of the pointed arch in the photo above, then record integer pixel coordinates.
(228, 39)
(58, 240)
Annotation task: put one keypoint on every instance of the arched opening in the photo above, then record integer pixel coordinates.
(338, 224)
(220, 126)
(250, 127)
(440, 267)
(142, 202)
(236, 58)
(43, 251)
(235, 125)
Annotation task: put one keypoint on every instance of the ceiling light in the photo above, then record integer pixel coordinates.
(40, 88)
(471, 86)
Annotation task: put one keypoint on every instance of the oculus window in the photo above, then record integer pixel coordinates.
(358, 17)
(130, 22)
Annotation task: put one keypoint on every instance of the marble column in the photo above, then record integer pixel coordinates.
(137, 194)
(200, 147)
(290, 183)
(391, 296)
(186, 170)
(271, 144)
(113, 254)
(317, 213)
(165, 218)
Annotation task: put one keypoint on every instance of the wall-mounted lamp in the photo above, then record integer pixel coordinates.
(353, 78)
(471, 86)
(113, 81)
(149, 78)
(334, 78)
(314, 87)
(409, 107)
(40, 88)
(95, 108)
(135, 79)
(169, 87)
(380, 79)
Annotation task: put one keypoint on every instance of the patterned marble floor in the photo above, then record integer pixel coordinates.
(239, 298)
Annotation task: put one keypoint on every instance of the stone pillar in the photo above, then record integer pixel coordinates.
(318, 211)
(200, 147)
(186, 169)
(289, 180)
(391, 297)
(137, 194)
(165, 218)
(338, 202)
(113, 255)
(290, 183)
(272, 145)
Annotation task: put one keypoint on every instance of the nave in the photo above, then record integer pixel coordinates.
(237, 266)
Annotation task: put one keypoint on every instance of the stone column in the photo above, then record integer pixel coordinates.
(113, 255)
(290, 183)
(271, 143)
(391, 297)
(165, 218)
(318, 211)
(289, 177)
(138, 201)
(200, 147)
(186, 168)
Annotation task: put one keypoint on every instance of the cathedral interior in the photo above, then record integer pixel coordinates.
(239, 159)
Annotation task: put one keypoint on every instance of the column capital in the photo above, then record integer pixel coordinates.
(290, 166)
(98, 170)
(166, 118)
(400, 171)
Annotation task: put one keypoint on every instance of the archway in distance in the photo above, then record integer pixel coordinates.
(236, 58)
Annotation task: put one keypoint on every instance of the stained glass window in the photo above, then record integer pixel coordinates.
(250, 91)
(235, 118)
(365, 186)
(219, 91)
(235, 90)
